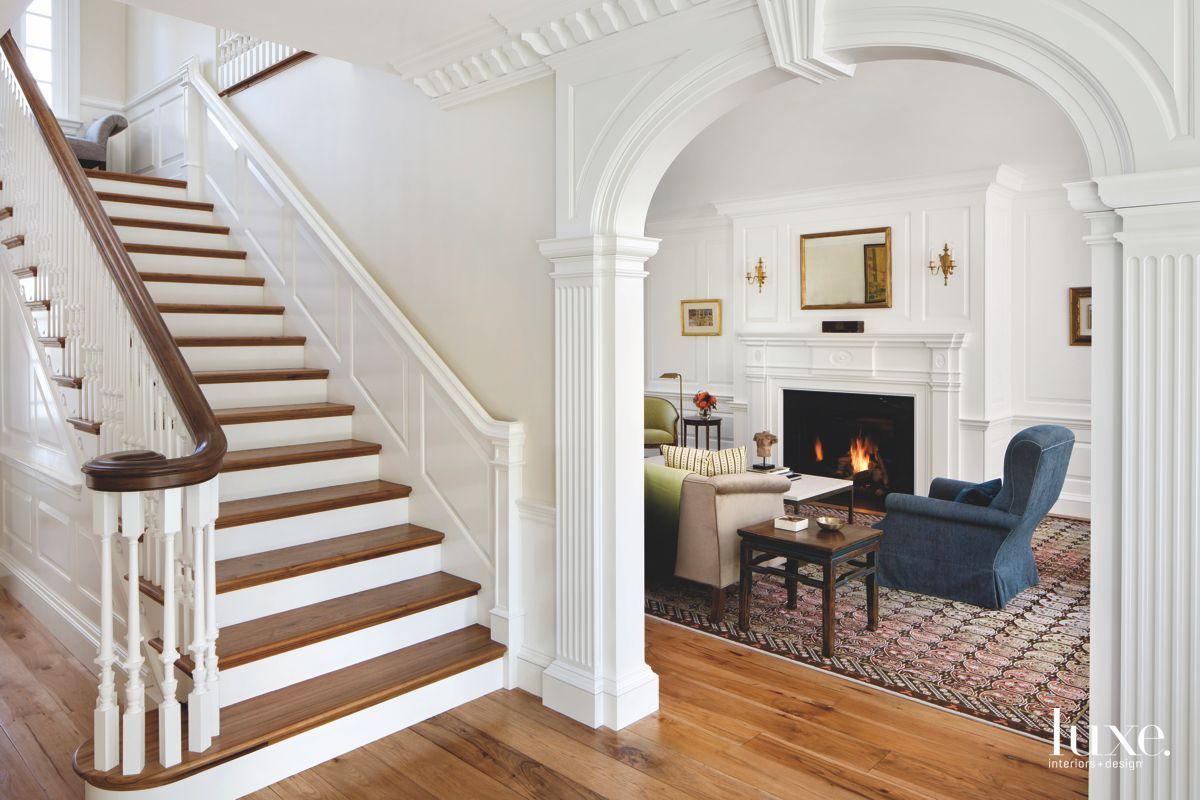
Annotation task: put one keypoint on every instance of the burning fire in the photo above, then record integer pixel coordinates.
(861, 450)
(818, 450)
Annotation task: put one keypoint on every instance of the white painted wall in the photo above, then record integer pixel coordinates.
(102, 51)
(156, 44)
(1017, 251)
(444, 209)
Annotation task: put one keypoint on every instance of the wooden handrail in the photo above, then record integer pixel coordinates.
(263, 74)
(138, 470)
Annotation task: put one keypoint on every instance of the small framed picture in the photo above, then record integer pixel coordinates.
(1081, 316)
(700, 317)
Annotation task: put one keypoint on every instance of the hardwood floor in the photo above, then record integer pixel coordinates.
(733, 723)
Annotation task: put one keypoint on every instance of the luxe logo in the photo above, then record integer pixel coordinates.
(1132, 741)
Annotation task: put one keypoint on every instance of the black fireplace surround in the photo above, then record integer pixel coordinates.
(823, 431)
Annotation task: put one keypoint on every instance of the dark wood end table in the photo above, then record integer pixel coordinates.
(707, 424)
(853, 546)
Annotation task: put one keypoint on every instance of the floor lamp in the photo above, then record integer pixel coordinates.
(679, 420)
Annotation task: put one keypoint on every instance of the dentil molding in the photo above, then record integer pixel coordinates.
(519, 52)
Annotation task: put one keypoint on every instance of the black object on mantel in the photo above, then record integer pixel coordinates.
(842, 326)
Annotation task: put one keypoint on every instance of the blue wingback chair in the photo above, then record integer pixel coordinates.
(981, 555)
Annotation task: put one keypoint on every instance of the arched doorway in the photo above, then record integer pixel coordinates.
(622, 119)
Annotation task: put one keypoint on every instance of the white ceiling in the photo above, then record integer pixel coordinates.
(379, 33)
(893, 119)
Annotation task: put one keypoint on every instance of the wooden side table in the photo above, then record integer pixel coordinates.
(707, 424)
(764, 542)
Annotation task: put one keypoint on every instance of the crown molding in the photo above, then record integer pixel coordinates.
(503, 55)
(1002, 177)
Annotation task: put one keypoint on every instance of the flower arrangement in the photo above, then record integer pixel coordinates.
(705, 402)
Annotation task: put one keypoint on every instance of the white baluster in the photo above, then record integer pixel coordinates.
(199, 719)
(211, 497)
(104, 718)
(133, 721)
(169, 730)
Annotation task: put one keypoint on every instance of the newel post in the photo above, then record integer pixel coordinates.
(194, 113)
(507, 482)
(599, 675)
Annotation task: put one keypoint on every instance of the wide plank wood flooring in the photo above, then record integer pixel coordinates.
(733, 724)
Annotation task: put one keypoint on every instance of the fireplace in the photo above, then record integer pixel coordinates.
(865, 437)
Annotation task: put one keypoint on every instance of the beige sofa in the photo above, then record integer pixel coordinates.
(710, 512)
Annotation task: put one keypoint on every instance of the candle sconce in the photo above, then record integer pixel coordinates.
(759, 275)
(943, 262)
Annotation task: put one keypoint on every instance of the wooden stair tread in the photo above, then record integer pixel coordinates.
(240, 341)
(257, 375)
(25, 272)
(85, 425)
(309, 501)
(67, 381)
(53, 341)
(302, 559)
(240, 416)
(213, 308)
(261, 638)
(167, 225)
(188, 277)
(14, 241)
(130, 177)
(137, 199)
(264, 457)
(273, 717)
(45, 304)
(173, 250)
(6, 212)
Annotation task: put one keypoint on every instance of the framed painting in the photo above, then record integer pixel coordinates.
(1081, 316)
(700, 317)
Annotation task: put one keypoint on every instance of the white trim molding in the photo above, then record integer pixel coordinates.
(796, 29)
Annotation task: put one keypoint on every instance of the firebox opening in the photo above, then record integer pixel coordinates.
(868, 438)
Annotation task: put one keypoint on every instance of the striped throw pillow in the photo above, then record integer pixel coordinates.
(689, 458)
(728, 462)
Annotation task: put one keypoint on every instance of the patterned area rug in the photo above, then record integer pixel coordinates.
(1012, 666)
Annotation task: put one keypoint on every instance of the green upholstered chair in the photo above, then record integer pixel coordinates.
(661, 419)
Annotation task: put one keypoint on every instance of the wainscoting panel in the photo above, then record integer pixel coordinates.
(380, 369)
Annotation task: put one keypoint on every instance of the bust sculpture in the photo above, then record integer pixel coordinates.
(765, 440)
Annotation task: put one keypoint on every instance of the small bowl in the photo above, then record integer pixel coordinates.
(830, 523)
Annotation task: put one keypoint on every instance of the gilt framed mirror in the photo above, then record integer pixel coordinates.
(846, 269)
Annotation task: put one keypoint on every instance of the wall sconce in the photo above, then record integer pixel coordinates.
(759, 275)
(943, 263)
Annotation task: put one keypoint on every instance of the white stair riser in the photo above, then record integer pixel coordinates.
(293, 666)
(71, 398)
(17, 256)
(188, 265)
(165, 213)
(139, 189)
(224, 324)
(55, 354)
(249, 435)
(135, 234)
(260, 537)
(297, 477)
(264, 393)
(41, 320)
(29, 288)
(215, 293)
(202, 359)
(317, 587)
(253, 771)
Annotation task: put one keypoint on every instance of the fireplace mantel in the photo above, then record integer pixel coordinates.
(925, 366)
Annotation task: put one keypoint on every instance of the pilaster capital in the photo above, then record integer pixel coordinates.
(611, 254)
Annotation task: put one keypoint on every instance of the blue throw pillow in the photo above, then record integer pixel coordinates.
(979, 494)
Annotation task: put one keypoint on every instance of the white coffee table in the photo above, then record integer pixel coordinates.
(815, 487)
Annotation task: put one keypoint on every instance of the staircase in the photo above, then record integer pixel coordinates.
(332, 608)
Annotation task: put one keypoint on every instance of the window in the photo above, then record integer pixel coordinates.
(48, 36)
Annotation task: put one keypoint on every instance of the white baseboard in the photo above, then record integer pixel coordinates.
(66, 623)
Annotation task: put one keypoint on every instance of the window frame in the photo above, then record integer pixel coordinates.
(64, 79)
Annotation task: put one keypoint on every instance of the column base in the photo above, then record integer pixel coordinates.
(584, 698)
